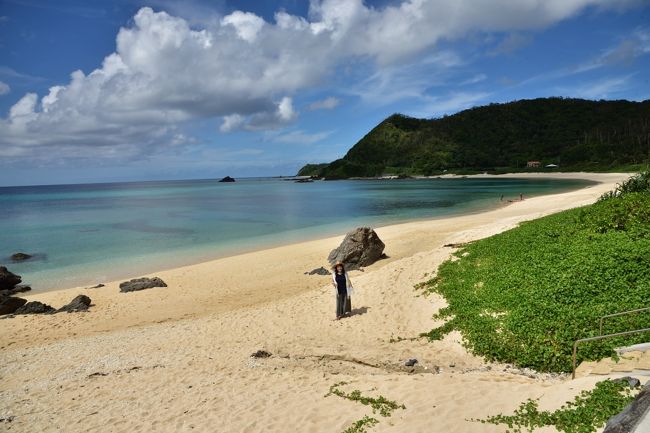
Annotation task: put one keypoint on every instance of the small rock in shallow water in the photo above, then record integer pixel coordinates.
(19, 257)
(95, 287)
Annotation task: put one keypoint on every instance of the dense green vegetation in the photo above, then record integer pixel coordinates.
(587, 412)
(575, 134)
(525, 295)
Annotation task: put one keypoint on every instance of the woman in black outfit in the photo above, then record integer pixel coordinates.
(343, 286)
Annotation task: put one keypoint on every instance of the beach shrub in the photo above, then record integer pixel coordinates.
(639, 183)
(587, 412)
(525, 295)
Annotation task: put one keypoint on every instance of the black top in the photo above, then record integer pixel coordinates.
(341, 285)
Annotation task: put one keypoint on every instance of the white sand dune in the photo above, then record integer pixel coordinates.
(178, 359)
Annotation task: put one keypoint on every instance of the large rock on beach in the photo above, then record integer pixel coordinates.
(141, 284)
(35, 307)
(79, 303)
(10, 305)
(361, 247)
(8, 280)
(18, 289)
(227, 179)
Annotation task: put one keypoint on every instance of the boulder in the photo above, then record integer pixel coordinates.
(141, 284)
(10, 305)
(19, 257)
(18, 289)
(361, 247)
(227, 179)
(79, 303)
(8, 280)
(35, 307)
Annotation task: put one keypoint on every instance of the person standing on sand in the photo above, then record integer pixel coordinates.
(343, 286)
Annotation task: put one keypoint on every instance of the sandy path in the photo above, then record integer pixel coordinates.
(177, 358)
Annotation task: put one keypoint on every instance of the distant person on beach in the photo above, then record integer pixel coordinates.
(343, 285)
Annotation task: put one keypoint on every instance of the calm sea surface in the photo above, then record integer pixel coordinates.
(87, 234)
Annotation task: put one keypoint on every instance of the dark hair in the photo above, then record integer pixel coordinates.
(336, 265)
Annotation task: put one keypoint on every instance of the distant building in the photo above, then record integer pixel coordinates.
(533, 164)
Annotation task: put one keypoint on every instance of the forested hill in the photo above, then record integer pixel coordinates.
(575, 134)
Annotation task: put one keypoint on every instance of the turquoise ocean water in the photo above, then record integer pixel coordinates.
(87, 234)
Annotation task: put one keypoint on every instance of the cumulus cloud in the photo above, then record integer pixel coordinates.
(246, 24)
(4, 88)
(243, 70)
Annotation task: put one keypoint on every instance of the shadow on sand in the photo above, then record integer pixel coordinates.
(357, 312)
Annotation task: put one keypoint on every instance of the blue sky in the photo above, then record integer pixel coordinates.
(97, 91)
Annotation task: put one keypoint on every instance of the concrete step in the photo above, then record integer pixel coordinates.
(633, 360)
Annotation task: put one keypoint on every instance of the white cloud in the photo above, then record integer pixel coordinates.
(454, 102)
(246, 24)
(328, 103)
(231, 123)
(602, 89)
(473, 80)
(283, 114)
(300, 137)
(4, 88)
(245, 71)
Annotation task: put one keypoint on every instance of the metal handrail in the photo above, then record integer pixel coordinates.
(622, 313)
(600, 337)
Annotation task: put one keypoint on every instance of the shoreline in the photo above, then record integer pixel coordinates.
(178, 358)
(402, 240)
(156, 263)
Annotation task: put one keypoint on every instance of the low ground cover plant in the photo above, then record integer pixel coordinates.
(524, 296)
(587, 412)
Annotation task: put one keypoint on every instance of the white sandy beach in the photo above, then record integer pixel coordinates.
(177, 359)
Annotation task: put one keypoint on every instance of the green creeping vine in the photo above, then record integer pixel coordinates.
(380, 404)
(525, 295)
(360, 426)
(587, 412)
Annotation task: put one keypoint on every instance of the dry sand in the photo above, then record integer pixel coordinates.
(178, 359)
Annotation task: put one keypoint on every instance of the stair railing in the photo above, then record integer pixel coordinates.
(622, 313)
(602, 337)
